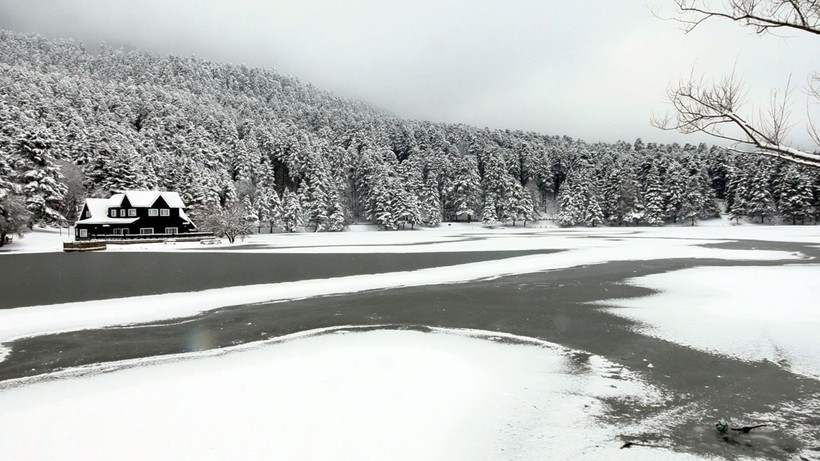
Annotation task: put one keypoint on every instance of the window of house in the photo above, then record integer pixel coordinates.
(122, 213)
(125, 231)
(87, 214)
(117, 231)
(112, 213)
(165, 212)
(171, 230)
(152, 212)
(132, 212)
(83, 233)
(146, 230)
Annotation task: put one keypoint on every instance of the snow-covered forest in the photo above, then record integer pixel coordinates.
(75, 123)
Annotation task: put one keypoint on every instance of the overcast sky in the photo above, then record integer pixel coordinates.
(593, 69)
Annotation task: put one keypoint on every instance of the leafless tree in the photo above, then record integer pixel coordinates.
(229, 222)
(714, 108)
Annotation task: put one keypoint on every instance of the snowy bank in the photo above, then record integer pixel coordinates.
(399, 395)
(752, 313)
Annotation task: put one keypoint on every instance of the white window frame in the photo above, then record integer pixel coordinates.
(112, 212)
(164, 212)
(82, 233)
(122, 212)
(117, 231)
(132, 212)
(87, 213)
(144, 229)
(172, 230)
(153, 212)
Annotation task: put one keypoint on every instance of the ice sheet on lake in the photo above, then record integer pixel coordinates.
(753, 313)
(45, 319)
(365, 396)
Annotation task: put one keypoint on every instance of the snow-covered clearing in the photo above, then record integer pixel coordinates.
(358, 396)
(38, 320)
(753, 313)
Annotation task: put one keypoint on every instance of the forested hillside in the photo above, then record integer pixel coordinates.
(74, 122)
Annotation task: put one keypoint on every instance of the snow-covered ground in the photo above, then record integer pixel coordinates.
(455, 237)
(752, 313)
(398, 395)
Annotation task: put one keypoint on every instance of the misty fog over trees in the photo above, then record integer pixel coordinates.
(74, 122)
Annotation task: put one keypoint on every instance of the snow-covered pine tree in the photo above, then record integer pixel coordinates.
(795, 196)
(488, 213)
(250, 216)
(291, 211)
(406, 209)
(594, 216)
(621, 195)
(759, 202)
(430, 206)
(463, 189)
(736, 193)
(653, 199)
(336, 218)
(674, 185)
(40, 176)
(571, 202)
(692, 199)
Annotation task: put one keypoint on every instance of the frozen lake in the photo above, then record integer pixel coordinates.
(558, 286)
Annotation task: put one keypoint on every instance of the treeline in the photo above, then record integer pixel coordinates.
(74, 122)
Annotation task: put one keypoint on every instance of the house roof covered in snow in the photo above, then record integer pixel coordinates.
(138, 199)
(146, 198)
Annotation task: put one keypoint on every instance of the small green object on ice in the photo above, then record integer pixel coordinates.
(722, 425)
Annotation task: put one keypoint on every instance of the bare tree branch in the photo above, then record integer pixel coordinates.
(713, 107)
(762, 15)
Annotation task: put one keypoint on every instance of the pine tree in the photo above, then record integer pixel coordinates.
(488, 213)
(795, 196)
(291, 211)
(249, 210)
(430, 206)
(40, 176)
(675, 184)
(336, 220)
(692, 199)
(653, 199)
(736, 194)
(572, 209)
(594, 214)
(759, 202)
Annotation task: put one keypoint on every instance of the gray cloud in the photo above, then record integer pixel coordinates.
(590, 69)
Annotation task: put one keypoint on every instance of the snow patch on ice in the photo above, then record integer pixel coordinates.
(752, 313)
(391, 394)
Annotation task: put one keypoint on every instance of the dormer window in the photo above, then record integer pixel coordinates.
(153, 212)
(113, 213)
(165, 212)
(132, 212)
(122, 213)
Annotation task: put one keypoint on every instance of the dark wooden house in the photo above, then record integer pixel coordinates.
(134, 214)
